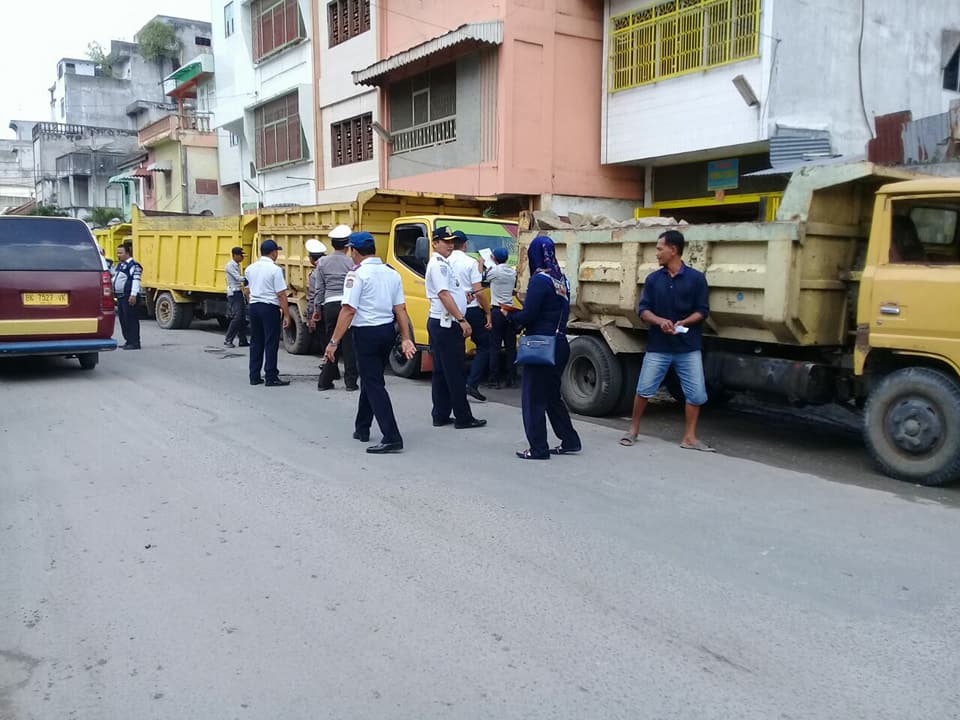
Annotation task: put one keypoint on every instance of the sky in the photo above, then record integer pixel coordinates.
(38, 34)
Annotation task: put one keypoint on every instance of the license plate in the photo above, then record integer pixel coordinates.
(44, 299)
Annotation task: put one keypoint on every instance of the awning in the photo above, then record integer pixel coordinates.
(183, 81)
(141, 172)
(121, 178)
(489, 32)
(159, 167)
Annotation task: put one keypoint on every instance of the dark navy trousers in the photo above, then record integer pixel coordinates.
(540, 393)
(129, 319)
(372, 347)
(264, 340)
(481, 338)
(449, 388)
(502, 334)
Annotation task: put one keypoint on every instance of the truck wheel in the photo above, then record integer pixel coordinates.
(912, 426)
(593, 378)
(296, 336)
(88, 361)
(402, 367)
(172, 315)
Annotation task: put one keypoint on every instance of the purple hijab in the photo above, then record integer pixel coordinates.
(542, 256)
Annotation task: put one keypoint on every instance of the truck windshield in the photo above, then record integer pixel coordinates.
(489, 234)
(47, 244)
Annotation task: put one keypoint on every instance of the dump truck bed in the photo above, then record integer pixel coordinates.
(792, 281)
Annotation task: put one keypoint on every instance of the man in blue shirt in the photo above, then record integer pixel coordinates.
(674, 305)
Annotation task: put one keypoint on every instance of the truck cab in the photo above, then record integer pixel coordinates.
(408, 251)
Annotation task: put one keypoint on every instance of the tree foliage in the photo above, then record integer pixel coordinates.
(48, 211)
(101, 216)
(158, 41)
(97, 54)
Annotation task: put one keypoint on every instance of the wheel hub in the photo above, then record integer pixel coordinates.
(915, 425)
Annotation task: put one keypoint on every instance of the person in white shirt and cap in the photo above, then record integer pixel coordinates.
(373, 306)
(331, 274)
(448, 330)
(268, 310)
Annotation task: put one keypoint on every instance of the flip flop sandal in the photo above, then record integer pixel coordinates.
(628, 440)
(698, 445)
(528, 455)
(560, 450)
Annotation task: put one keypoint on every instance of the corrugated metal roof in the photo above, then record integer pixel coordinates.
(490, 32)
(791, 167)
(787, 148)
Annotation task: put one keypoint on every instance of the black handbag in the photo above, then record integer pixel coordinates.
(538, 349)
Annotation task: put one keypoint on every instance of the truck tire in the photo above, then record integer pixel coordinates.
(400, 366)
(88, 361)
(593, 378)
(172, 315)
(296, 336)
(912, 426)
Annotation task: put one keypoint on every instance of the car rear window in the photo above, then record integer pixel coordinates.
(47, 244)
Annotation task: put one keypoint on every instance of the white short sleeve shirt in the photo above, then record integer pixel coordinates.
(373, 290)
(468, 271)
(265, 280)
(441, 276)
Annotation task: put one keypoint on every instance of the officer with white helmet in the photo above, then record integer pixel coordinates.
(315, 250)
(331, 274)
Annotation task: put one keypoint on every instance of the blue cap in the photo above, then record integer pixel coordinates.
(501, 254)
(268, 246)
(442, 233)
(460, 237)
(362, 241)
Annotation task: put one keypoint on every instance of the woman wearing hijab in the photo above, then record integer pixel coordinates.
(545, 311)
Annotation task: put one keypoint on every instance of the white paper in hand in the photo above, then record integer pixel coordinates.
(681, 329)
(487, 256)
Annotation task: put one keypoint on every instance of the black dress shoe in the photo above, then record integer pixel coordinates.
(472, 423)
(277, 383)
(324, 387)
(441, 423)
(476, 394)
(258, 381)
(244, 344)
(130, 347)
(362, 437)
(351, 388)
(383, 448)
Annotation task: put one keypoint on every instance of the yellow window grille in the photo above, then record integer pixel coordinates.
(678, 37)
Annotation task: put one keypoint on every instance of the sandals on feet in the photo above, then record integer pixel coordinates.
(698, 445)
(628, 440)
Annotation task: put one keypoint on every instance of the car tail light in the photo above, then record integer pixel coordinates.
(106, 300)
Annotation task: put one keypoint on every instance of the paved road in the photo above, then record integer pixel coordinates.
(176, 544)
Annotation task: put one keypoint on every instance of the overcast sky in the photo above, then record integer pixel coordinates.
(37, 34)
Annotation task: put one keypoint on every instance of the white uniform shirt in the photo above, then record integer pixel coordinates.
(265, 280)
(372, 289)
(441, 276)
(468, 271)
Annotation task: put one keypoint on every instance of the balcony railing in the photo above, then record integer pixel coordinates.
(170, 126)
(437, 132)
(75, 164)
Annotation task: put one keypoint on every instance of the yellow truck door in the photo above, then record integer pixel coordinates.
(408, 252)
(914, 298)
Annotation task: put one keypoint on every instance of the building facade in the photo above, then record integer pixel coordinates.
(504, 102)
(264, 106)
(16, 166)
(703, 94)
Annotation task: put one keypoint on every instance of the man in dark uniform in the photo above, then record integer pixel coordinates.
(126, 288)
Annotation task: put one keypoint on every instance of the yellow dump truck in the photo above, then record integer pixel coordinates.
(851, 296)
(402, 223)
(183, 256)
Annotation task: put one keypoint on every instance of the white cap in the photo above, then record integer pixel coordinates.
(340, 232)
(315, 247)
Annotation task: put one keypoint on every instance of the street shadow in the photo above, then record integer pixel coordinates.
(23, 369)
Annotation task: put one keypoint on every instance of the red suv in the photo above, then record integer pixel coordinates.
(55, 294)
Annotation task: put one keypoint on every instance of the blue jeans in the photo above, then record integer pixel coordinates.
(689, 367)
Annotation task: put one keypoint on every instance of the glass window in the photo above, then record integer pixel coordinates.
(279, 138)
(47, 244)
(347, 19)
(925, 232)
(411, 245)
(228, 19)
(276, 24)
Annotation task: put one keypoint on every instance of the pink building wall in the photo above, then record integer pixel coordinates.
(548, 97)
